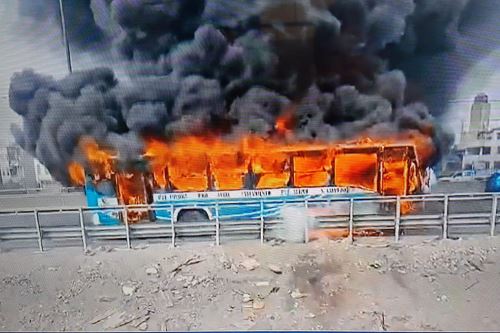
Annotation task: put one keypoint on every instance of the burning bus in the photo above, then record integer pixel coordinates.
(186, 179)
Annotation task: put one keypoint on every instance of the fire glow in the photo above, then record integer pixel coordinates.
(201, 163)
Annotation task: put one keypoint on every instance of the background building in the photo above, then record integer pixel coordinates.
(18, 169)
(479, 145)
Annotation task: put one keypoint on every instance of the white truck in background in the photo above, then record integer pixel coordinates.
(467, 175)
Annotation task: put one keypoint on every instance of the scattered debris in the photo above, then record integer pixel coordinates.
(376, 264)
(380, 316)
(164, 325)
(105, 249)
(118, 320)
(472, 285)
(383, 326)
(249, 264)
(140, 323)
(140, 247)
(247, 298)
(191, 261)
(167, 299)
(151, 271)
(128, 290)
(275, 241)
(296, 294)
(474, 265)
(442, 298)
(106, 299)
(103, 316)
(273, 290)
(258, 304)
(262, 283)
(310, 315)
(275, 268)
(53, 269)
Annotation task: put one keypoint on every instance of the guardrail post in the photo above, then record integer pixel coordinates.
(172, 224)
(261, 221)
(82, 228)
(38, 230)
(351, 218)
(217, 225)
(306, 225)
(493, 219)
(398, 218)
(127, 227)
(445, 216)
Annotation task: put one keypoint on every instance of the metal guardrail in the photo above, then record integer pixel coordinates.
(40, 190)
(432, 211)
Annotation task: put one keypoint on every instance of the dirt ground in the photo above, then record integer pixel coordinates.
(372, 284)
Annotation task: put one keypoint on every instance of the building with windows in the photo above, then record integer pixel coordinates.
(479, 144)
(43, 177)
(18, 169)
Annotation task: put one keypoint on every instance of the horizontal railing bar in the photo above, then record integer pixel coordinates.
(19, 237)
(421, 217)
(468, 215)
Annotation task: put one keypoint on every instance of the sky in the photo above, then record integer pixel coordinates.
(19, 51)
(22, 48)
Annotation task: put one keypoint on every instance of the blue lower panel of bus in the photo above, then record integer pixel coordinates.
(246, 209)
(233, 212)
(95, 199)
(249, 209)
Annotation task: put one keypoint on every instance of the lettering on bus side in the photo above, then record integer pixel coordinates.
(162, 197)
(178, 196)
(167, 197)
(330, 190)
(250, 194)
(202, 195)
(300, 191)
(223, 194)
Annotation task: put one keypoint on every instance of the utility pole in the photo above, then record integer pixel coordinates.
(65, 36)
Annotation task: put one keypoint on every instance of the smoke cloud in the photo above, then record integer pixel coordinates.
(203, 63)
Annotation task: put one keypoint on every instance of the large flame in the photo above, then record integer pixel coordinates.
(101, 160)
(130, 186)
(198, 163)
(390, 166)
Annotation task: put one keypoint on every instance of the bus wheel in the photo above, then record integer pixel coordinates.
(193, 215)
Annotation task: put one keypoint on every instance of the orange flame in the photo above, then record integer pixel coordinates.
(198, 163)
(76, 173)
(101, 160)
(391, 166)
(285, 123)
(157, 153)
(130, 187)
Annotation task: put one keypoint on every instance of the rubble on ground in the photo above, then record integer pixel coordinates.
(321, 285)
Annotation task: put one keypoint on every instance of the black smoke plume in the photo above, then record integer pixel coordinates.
(210, 63)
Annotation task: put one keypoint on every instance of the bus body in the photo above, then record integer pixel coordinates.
(350, 172)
